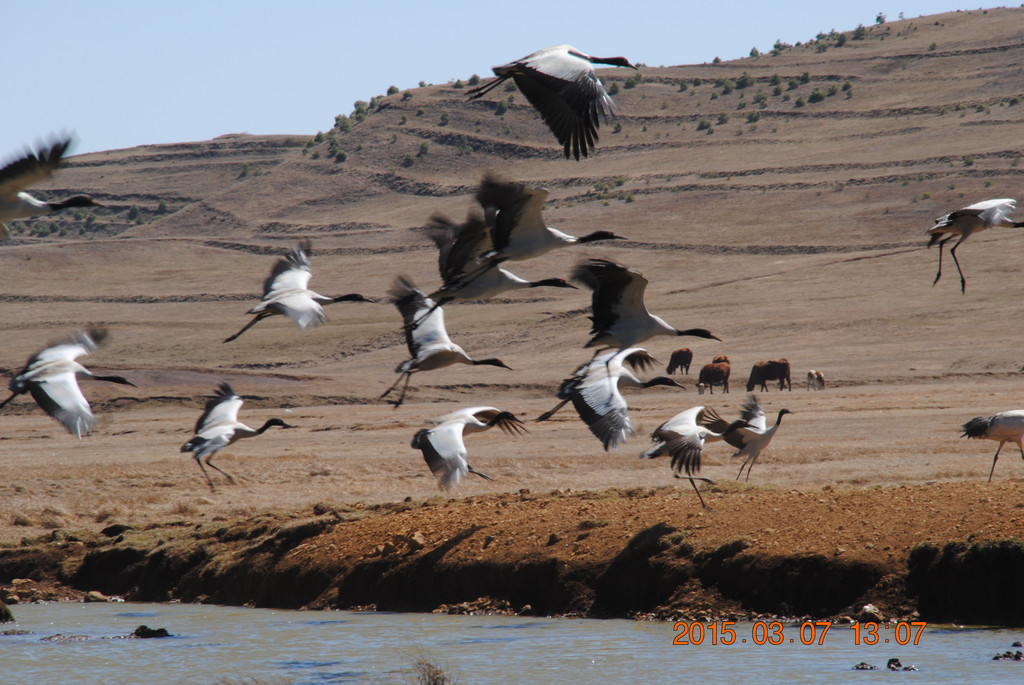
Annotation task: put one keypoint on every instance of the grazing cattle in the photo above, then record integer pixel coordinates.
(815, 380)
(771, 370)
(721, 359)
(680, 359)
(714, 374)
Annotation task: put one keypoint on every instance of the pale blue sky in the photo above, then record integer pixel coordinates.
(120, 74)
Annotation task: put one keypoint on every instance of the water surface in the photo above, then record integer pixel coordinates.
(214, 644)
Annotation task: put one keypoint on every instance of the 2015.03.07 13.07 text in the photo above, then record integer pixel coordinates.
(808, 633)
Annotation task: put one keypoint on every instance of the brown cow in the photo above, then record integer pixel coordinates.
(771, 370)
(680, 359)
(721, 359)
(713, 374)
(815, 380)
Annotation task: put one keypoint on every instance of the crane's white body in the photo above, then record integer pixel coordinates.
(966, 222)
(218, 427)
(513, 212)
(467, 271)
(683, 438)
(51, 377)
(620, 316)
(444, 449)
(425, 336)
(1004, 427)
(560, 83)
(594, 391)
(286, 292)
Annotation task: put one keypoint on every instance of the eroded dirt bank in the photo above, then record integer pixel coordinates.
(945, 550)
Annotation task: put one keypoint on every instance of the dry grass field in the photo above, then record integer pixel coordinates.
(796, 233)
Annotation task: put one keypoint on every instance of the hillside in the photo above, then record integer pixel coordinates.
(791, 225)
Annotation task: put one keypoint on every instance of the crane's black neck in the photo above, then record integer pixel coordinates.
(491, 362)
(699, 333)
(74, 201)
(599, 235)
(270, 423)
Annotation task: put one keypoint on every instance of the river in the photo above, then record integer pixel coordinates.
(69, 642)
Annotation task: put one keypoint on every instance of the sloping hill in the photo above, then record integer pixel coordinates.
(791, 225)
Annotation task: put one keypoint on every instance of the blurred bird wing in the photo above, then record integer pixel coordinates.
(61, 398)
(287, 276)
(602, 407)
(464, 414)
(638, 358)
(753, 415)
(445, 453)
(459, 246)
(998, 212)
(710, 419)
(219, 414)
(30, 170)
(514, 208)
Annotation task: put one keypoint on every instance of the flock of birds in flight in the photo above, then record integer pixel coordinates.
(561, 84)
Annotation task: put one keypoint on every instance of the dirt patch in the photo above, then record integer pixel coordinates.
(600, 554)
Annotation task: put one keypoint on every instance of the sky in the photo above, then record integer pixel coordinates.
(117, 74)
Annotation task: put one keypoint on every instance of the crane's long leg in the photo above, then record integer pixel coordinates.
(407, 375)
(996, 458)
(547, 415)
(479, 91)
(952, 251)
(699, 496)
(4, 403)
(938, 274)
(216, 468)
(205, 472)
(256, 319)
(482, 475)
(750, 460)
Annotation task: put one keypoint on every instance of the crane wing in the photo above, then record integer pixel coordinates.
(602, 407)
(61, 398)
(220, 410)
(444, 452)
(512, 207)
(31, 169)
(459, 245)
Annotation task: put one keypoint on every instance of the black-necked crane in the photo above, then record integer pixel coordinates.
(620, 317)
(682, 438)
(52, 376)
(750, 434)
(285, 292)
(594, 391)
(1006, 426)
(444, 449)
(23, 173)
(218, 427)
(968, 221)
(560, 83)
(426, 337)
(466, 274)
(513, 212)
